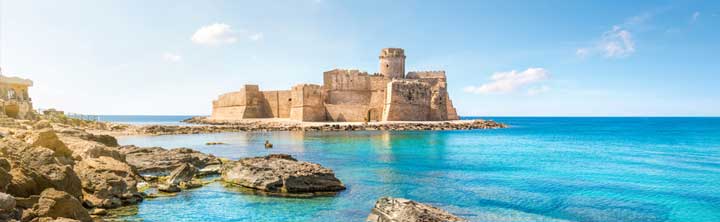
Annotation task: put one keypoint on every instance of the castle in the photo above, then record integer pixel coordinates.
(348, 96)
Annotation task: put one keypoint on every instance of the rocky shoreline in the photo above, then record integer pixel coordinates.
(205, 126)
(64, 171)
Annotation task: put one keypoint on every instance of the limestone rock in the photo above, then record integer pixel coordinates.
(36, 168)
(90, 149)
(48, 139)
(107, 182)
(42, 124)
(169, 188)
(281, 173)
(59, 204)
(7, 203)
(50, 219)
(389, 209)
(184, 173)
(156, 160)
(106, 140)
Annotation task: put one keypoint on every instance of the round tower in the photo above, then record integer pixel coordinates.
(392, 63)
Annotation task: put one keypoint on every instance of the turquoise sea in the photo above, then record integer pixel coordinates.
(539, 169)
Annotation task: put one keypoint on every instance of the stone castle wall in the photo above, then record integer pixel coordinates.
(349, 96)
(407, 100)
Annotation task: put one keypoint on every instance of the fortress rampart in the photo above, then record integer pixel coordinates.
(348, 95)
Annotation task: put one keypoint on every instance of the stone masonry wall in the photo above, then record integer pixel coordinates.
(407, 100)
(307, 103)
(277, 103)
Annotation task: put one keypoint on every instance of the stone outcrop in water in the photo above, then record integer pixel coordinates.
(156, 160)
(108, 182)
(281, 173)
(389, 209)
(183, 174)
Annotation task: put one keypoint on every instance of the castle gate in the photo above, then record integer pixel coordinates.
(373, 115)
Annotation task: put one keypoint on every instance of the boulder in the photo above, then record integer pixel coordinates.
(106, 140)
(390, 209)
(35, 168)
(48, 139)
(90, 149)
(184, 173)
(159, 161)
(42, 124)
(5, 177)
(58, 204)
(107, 182)
(7, 203)
(50, 219)
(281, 173)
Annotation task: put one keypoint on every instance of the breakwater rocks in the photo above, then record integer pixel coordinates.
(281, 173)
(250, 126)
(398, 209)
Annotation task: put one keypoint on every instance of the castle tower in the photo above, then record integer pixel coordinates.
(392, 63)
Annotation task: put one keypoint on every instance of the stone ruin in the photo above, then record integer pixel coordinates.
(348, 95)
(15, 102)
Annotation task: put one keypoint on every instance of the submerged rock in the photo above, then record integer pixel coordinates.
(54, 204)
(156, 160)
(390, 209)
(107, 182)
(281, 173)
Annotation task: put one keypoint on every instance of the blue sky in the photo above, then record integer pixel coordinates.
(503, 58)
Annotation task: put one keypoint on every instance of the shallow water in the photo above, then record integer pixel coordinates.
(540, 169)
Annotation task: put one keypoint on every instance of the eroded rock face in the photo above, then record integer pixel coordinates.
(389, 209)
(107, 182)
(156, 160)
(48, 139)
(281, 173)
(57, 204)
(35, 168)
(83, 149)
(184, 173)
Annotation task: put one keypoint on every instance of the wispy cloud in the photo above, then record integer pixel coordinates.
(618, 42)
(504, 82)
(171, 57)
(615, 43)
(220, 33)
(538, 90)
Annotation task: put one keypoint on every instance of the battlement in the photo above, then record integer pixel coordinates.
(392, 52)
(435, 74)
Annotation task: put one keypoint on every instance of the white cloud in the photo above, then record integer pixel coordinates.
(695, 17)
(214, 34)
(256, 36)
(616, 43)
(538, 90)
(582, 52)
(171, 57)
(504, 82)
(220, 33)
